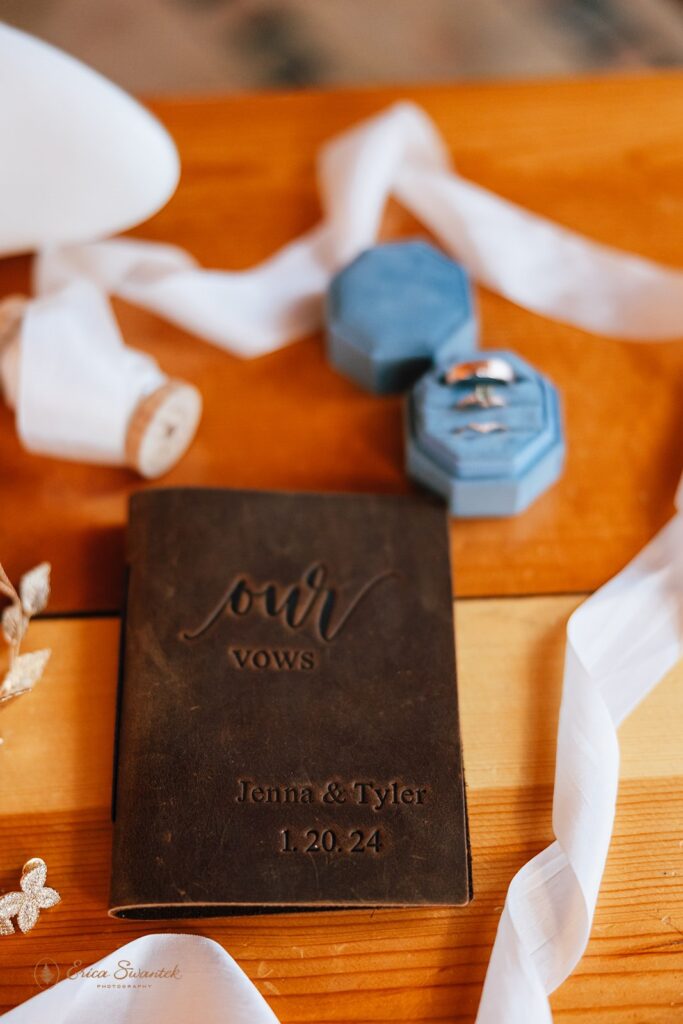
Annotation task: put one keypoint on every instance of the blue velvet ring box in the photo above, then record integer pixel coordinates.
(397, 316)
(493, 474)
(395, 310)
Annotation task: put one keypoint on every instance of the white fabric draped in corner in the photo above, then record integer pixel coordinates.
(207, 987)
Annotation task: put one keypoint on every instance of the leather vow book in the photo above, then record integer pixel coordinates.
(288, 732)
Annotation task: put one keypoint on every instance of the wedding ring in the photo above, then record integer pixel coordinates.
(483, 397)
(495, 369)
(488, 427)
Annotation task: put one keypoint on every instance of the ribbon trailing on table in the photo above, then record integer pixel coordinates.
(528, 259)
(620, 643)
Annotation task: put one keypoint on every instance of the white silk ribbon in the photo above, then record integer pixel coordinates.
(62, 389)
(620, 643)
(399, 153)
(530, 260)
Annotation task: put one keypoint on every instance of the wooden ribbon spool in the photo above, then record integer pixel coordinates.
(161, 426)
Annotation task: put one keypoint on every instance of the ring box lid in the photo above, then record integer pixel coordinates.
(395, 311)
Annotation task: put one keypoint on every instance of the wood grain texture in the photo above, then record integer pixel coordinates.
(604, 157)
(362, 967)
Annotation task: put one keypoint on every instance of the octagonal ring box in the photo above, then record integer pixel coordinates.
(394, 311)
(485, 474)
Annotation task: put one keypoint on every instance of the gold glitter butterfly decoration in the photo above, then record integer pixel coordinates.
(27, 904)
(24, 669)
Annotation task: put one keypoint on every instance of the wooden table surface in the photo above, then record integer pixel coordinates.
(604, 157)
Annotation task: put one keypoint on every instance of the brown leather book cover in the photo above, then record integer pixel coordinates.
(288, 731)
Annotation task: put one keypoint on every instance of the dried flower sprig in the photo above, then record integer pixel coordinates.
(24, 669)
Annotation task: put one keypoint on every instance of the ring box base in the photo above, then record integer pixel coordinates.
(487, 476)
